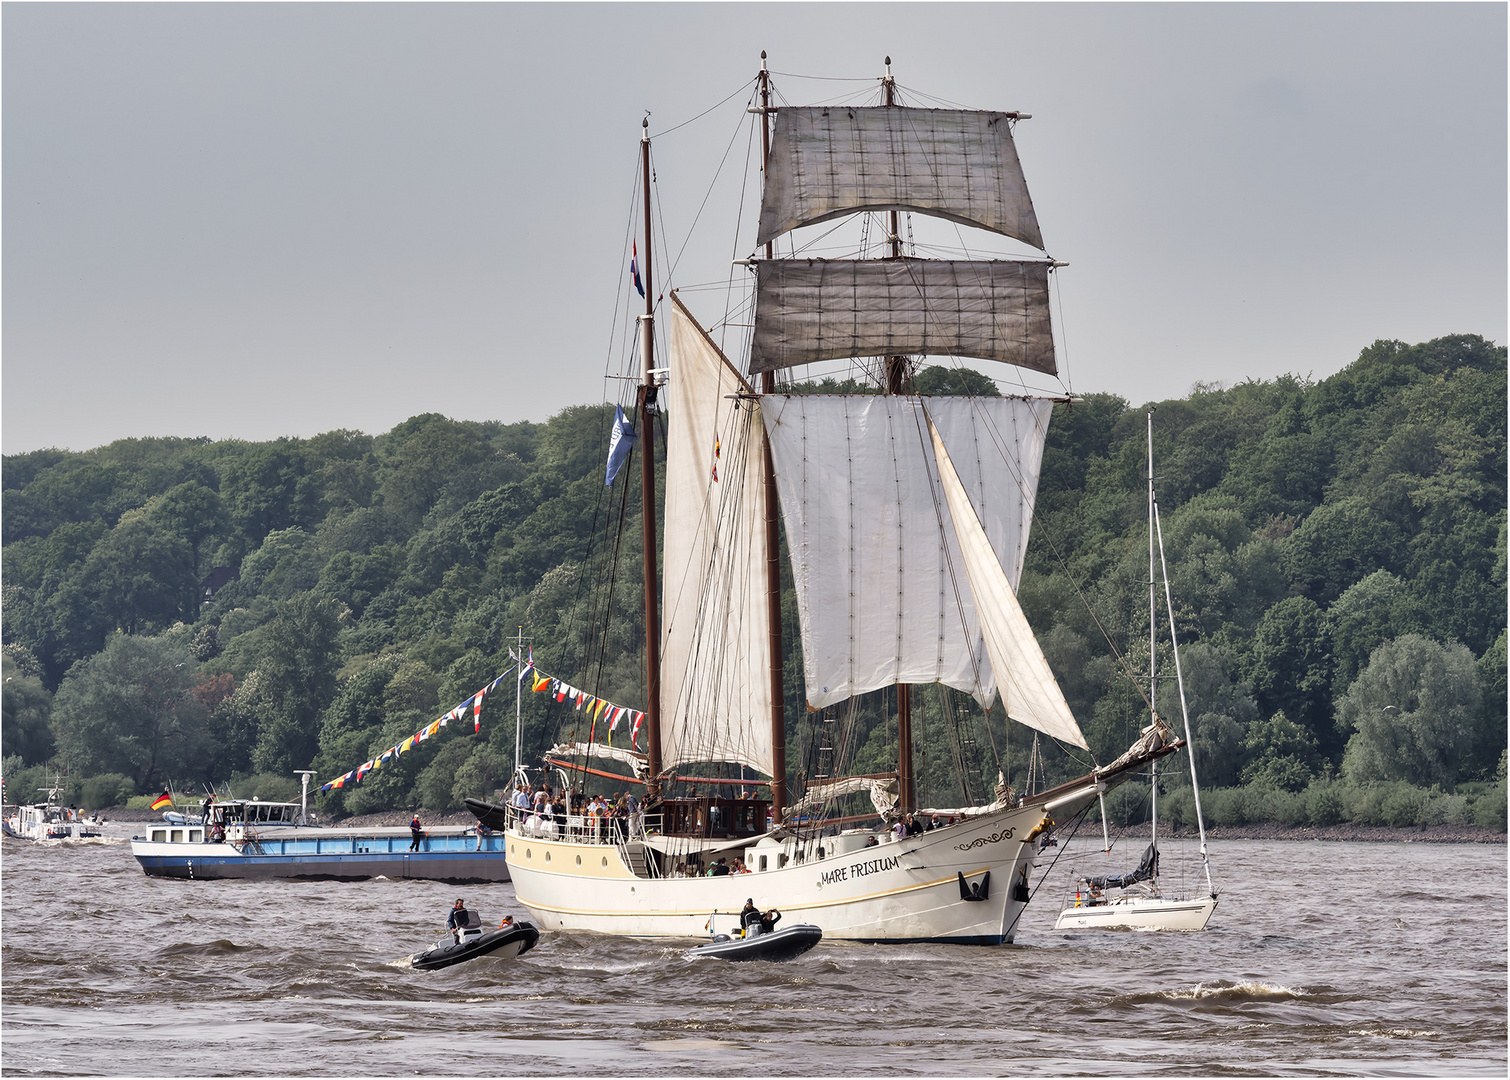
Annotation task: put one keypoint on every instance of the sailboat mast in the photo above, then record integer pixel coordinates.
(772, 536)
(1153, 667)
(896, 373)
(645, 399)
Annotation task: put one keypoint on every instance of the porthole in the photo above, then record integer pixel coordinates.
(579, 860)
(528, 854)
(547, 856)
(513, 849)
(605, 862)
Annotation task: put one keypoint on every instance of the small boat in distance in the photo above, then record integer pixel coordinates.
(1138, 903)
(511, 939)
(50, 820)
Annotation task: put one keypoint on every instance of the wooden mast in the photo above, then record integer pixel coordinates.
(645, 400)
(896, 375)
(772, 537)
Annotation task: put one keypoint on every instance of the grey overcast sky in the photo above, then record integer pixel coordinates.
(253, 220)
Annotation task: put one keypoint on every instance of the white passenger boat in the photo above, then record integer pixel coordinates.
(50, 820)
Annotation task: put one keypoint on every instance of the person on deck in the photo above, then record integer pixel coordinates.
(417, 831)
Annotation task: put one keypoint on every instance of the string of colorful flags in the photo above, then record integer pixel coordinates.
(473, 703)
(594, 708)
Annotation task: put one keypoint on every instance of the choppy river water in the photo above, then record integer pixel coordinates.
(1322, 959)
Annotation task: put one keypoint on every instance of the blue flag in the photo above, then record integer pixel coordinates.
(619, 444)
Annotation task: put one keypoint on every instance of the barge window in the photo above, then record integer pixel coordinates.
(159, 836)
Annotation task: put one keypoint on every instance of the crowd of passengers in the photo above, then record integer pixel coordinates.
(548, 812)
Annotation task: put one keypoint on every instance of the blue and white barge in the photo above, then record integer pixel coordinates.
(248, 838)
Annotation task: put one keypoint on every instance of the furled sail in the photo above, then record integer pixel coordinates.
(715, 656)
(1028, 688)
(959, 165)
(881, 593)
(818, 309)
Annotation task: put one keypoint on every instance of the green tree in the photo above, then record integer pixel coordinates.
(297, 673)
(1290, 665)
(195, 514)
(27, 707)
(1221, 709)
(1366, 615)
(1339, 544)
(131, 708)
(1280, 753)
(139, 577)
(1412, 712)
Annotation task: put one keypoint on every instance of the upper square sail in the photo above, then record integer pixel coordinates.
(954, 164)
(817, 309)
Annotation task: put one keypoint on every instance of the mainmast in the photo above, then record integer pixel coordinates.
(646, 399)
(1153, 663)
(772, 536)
(896, 374)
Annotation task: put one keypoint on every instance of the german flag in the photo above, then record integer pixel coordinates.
(162, 800)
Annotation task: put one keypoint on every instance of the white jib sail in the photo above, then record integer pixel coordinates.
(715, 656)
(1029, 691)
(828, 161)
(881, 596)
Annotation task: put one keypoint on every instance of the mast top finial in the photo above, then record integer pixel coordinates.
(762, 54)
(888, 61)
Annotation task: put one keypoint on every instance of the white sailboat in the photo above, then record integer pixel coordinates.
(906, 520)
(1136, 900)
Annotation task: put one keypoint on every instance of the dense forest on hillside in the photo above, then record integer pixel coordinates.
(1336, 552)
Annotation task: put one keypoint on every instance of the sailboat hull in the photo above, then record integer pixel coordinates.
(1140, 913)
(914, 889)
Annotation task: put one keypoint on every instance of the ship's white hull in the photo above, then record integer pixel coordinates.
(899, 890)
(1140, 913)
(48, 823)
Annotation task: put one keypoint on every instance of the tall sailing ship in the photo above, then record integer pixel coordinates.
(906, 519)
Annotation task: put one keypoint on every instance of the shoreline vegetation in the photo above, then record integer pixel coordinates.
(187, 614)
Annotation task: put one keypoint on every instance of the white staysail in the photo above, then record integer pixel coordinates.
(715, 657)
(1028, 688)
(817, 309)
(833, 160)
(881, 598)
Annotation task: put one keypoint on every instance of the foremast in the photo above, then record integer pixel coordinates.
(645, 399)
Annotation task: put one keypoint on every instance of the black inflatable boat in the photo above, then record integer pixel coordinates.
(784, 944)
(513, 939)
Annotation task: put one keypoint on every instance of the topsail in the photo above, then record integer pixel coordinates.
(959, 165)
